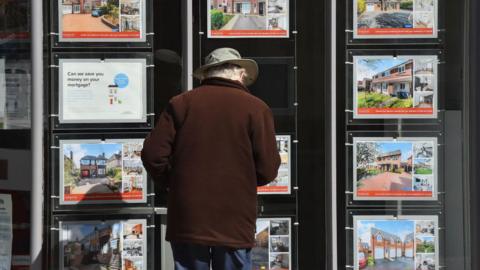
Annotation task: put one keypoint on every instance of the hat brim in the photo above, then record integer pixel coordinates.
(249, 65)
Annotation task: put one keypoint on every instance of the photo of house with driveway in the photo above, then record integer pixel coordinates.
(387, 85)
(391, 244)
(248, 18)
(100, 16)
(101, 171)
(394, 17)
(390, 168)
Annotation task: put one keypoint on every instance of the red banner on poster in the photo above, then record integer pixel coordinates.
(420, 111)
(395, 31)
(112, 35)
(275, 189)
(373, 193)
(249, 33)
(128, 196)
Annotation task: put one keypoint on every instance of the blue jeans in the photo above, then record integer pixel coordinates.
(198, 257)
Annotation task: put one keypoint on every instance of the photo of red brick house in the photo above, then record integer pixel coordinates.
(395, 80)
(382, 5)
(252, 7)
(81, 6)
(253, 17)
(387, 244)
(384, 166)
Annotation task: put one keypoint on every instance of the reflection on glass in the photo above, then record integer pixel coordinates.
(15, 151)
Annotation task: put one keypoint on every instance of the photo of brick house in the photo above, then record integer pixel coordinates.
(382, 5)
(384, 166)
(387, 244)
(92, 168)
(81, 6)
(91, 246)
(395, 80)
(251, 7)
(248, 15)
(384, 82)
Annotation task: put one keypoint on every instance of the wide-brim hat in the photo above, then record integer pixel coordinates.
(228, 56)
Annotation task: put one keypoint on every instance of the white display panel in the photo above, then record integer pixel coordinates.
(100, 172)
(395, 19)
(392, 87)
(103, 244)
(395, 168)
(102, 91)
(281, 184)
(102, 21)
(403, 242)
(248, 19)
(273, 244)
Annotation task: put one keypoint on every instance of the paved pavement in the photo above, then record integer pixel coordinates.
(377, 19)
(387, 181)
(250, 23)
(92, 185)
(400, 264)
(84, 22)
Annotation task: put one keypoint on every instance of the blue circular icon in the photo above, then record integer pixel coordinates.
(121, 80)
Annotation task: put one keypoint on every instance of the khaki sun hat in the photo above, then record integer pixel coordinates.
(228, 56)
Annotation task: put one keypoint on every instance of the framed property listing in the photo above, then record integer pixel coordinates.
(108, 242)
(103, 89)
(96, 171)
(392, 169)
(273, 244)
(396, 19)
(390, 87)
(402, 242)
(281, 184)
(105, 21)
(248, 19)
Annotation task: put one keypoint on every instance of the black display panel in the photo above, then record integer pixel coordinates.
(276, 84)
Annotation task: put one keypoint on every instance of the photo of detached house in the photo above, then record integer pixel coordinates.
(385, 244)
(91, 246)
(384, 13)
(384, 82)
(92, 168)
(90, 15)
(384, 166)
(226, 15)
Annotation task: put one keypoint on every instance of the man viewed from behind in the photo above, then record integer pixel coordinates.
(211, 148)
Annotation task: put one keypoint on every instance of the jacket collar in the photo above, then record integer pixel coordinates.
(224, 82)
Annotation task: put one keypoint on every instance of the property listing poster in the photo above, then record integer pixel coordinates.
(15, 24)
(395, 169)
(272, 244)
(96, 91)
(395, 87)
(94, 171)
(281, 184)
(6, 231)
(248, 19)
(395, 19)
(102, 20)
(103, 245)
(18, 91)
(390, 243)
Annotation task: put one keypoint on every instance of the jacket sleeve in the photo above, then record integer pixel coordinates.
(267, 158)
(158, 147)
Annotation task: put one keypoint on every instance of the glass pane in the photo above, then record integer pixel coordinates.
(15, 152)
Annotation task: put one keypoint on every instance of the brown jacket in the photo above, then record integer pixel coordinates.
(215, 145)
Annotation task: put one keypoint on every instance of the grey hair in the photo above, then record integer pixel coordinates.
(226, 71)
